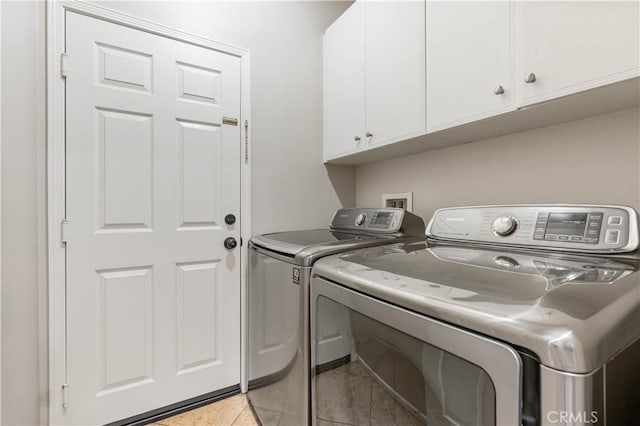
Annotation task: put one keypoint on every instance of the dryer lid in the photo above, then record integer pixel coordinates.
(349, 229)
(293, 242)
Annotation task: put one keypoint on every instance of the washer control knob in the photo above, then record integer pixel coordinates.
(360, 219)
(504, 225)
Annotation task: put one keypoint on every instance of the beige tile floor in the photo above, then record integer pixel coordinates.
(347, 396)
(232, 411)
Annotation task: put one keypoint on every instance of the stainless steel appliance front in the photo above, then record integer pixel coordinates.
(278, 361)
(278, 324)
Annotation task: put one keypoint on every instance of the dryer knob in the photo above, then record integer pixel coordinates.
(360, 219)
(504, 225)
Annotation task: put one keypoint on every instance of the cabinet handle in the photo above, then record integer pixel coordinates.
(499, 90)
(530, 78)
(369, 134)
(356, 138)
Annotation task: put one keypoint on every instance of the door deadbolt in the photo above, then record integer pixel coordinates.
(229, 219)
(230, 243)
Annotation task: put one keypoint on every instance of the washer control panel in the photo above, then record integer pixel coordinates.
(565, 227)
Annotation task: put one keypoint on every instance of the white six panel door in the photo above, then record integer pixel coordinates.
(153, 297)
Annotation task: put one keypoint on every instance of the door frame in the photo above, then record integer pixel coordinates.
(56, 185)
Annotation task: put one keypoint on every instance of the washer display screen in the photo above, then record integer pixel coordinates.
(567, 223)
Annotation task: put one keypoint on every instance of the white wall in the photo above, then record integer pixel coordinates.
(291, 187)
(22, 148)
(595, 160)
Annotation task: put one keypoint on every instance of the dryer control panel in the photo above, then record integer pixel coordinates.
(378, 220)
(581, 228)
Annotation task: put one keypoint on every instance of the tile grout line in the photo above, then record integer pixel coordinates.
(246, 405)
(335, 422)
(370, 401)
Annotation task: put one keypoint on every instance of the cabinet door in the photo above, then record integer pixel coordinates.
(395, 70)
(469, 58)
(344, 83)
(575, 46)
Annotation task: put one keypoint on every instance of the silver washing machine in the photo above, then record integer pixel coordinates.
(507, 315)
(278, 307)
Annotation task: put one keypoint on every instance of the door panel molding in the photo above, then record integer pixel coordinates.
(56, 172)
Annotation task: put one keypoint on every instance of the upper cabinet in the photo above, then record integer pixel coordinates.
(374, 76)
(567, 47)
(409, 76)
(469, 61)
(394, 70)
(344, 83)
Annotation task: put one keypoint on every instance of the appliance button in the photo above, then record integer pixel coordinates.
(615, 220)
(563, 238)
(593, 216)
(551, 237)
(612, 236)
(360, 219)
(591, 240)
(576, 238)
(593, 232)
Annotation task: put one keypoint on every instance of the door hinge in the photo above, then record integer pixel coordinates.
(63, 231)
(64, 65)
(65, 395)
(246, 140)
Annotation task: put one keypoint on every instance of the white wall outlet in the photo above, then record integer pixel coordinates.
(402, 200)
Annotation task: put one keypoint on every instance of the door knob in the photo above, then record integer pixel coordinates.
(229, 219)
(356, 138)
(230, 243)
(369, 134)
(530, 78)
(499, 90)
